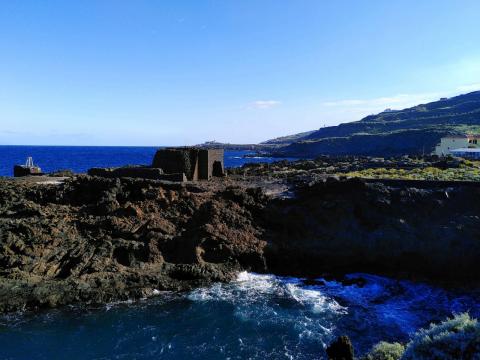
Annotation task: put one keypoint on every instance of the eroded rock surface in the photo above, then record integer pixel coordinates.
(96, 240)
(420, 230)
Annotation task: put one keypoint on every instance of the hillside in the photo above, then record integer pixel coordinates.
(286, 140)
(413, 130)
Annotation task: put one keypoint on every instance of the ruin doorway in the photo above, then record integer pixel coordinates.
(217, 169)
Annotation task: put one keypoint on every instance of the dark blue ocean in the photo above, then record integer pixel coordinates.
(81, 158)
(255, 317)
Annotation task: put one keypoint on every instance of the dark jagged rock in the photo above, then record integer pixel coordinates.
(340, 349)
(351, 225)
(95, 240)
(360, 282)
(313, 282)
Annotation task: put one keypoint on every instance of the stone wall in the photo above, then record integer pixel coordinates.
(137, 172)
(196, 163)
(174, 164)
(211, 163)
(178, 160)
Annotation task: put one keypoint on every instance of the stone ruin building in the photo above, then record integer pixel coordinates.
(173, 164)
(195, 163)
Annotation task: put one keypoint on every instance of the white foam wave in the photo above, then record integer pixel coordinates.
(266, 291)
(314, 298)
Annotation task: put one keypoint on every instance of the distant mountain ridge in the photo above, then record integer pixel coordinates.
(285, 140)
(414, 130)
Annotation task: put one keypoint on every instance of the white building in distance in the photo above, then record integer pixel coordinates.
(457, 142)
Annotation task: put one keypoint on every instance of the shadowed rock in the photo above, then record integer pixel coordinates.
(340, 349)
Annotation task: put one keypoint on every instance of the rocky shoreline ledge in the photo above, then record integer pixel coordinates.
(97, 240)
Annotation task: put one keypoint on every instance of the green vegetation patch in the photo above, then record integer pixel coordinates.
(467, 171)
(386, 351)
(452, 339)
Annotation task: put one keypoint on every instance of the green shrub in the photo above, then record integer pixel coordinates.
(456, 338)
(452, 339)
(386, 351)
(429, 173)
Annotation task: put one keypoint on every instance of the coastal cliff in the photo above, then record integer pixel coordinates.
(415, 229)
(96, 240)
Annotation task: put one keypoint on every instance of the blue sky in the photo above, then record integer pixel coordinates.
(183, 72)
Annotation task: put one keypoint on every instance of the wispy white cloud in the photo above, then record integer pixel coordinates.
(469, 87)
(264, 104)
(396, 101)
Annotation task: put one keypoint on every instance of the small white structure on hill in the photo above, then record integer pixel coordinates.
(457, 142)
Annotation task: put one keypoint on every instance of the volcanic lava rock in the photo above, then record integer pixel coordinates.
(340, 349)
(407, 229)
(95, 240)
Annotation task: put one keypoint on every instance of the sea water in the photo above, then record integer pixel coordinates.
(254, 317)
(81, 158)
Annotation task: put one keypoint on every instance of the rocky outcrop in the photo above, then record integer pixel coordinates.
(393, 227)
(99, 240)
(96, 240)
(340, 349)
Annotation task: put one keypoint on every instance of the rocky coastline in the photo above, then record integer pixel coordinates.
(95, 240)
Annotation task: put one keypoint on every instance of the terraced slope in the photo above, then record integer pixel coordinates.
(413, 130)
